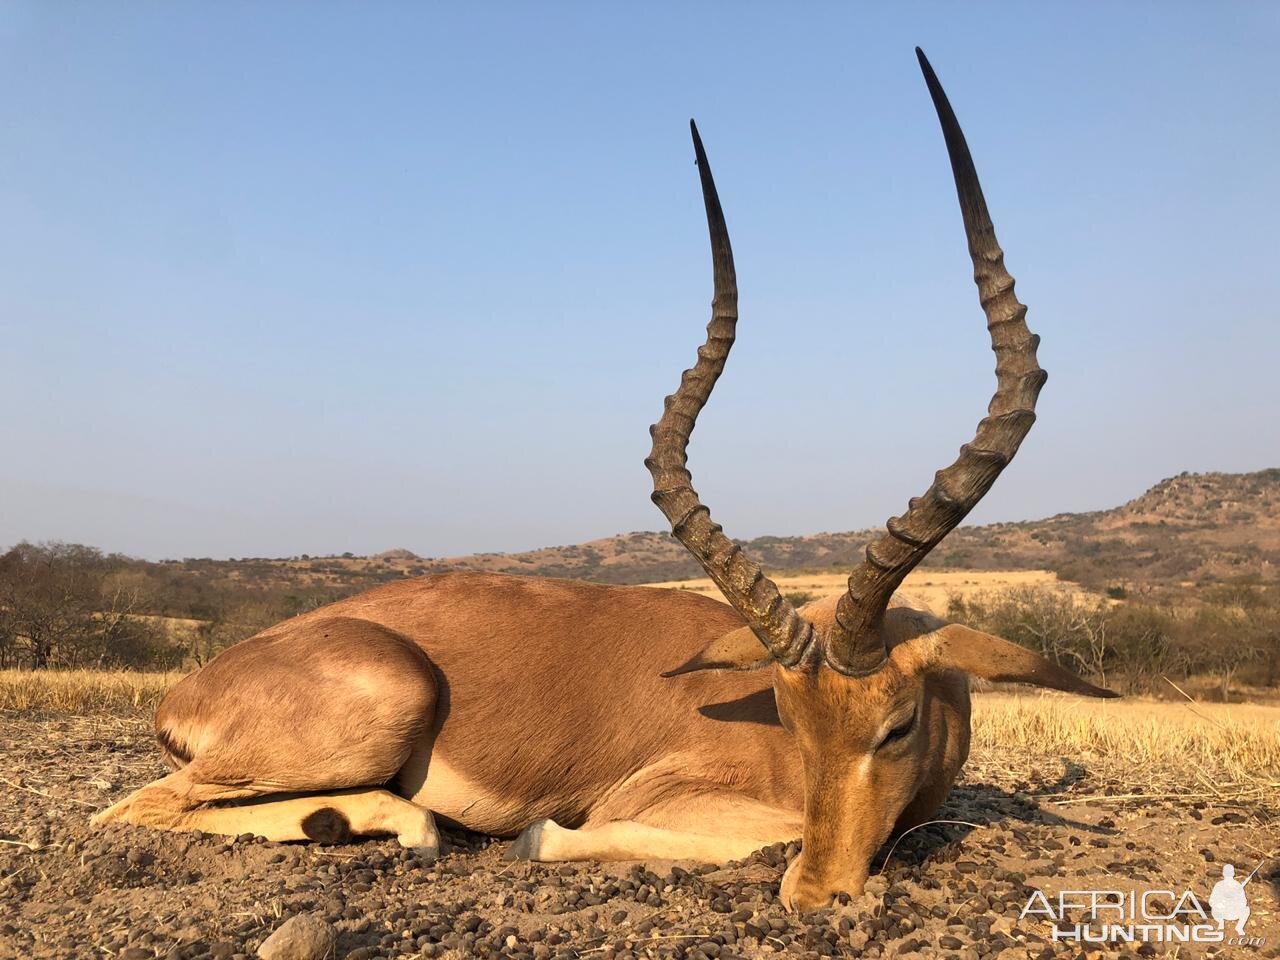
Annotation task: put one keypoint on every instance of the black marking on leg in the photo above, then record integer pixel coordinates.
(327, 825)
(177, 752)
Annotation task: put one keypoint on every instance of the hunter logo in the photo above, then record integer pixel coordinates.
(1150, 916)
(1228, 900)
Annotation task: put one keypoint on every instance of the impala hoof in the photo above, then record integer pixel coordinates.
(112, 813)
(420, 836)
(532, 844)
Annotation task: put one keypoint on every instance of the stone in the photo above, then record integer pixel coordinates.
(304, 937)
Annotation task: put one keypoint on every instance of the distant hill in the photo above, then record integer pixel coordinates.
(1192, 529)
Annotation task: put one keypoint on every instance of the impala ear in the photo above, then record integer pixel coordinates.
(737, 650)
(982, 655)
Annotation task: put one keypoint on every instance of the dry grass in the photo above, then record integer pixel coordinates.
(932, 588)
(1219, 751)
(84, 692)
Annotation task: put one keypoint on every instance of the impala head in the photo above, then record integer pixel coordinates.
(855, 678)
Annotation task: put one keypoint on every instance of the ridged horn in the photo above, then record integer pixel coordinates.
(771, 617)
(854, 646)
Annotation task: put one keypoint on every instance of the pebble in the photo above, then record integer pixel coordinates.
(304, 937)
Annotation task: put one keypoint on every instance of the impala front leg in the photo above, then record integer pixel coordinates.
(547, 841)
(716, 831)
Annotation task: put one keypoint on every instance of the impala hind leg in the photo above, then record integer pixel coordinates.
(166, 797)
(335, 817)
(713, 829)
(298, 730)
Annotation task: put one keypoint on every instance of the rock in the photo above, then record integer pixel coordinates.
(876, 886)
(1002, 925)
(304, 937)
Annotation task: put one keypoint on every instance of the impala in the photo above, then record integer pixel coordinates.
(614, 723)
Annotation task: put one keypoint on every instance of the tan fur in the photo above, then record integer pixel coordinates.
(509, 704)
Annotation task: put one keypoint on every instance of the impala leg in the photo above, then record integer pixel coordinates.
(336, 817)
(546, 840)
(708, 829)
(168, 797)
(327, 817)
(301, 729)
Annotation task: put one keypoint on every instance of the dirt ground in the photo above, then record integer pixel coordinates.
(947, 890)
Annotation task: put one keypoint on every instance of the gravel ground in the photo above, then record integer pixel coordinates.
(948, 890)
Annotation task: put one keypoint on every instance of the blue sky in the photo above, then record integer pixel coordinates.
(286, 278)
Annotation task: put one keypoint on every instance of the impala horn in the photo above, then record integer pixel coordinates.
(771, 617)
(854, 645)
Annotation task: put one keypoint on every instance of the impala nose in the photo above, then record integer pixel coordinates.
(801, 892)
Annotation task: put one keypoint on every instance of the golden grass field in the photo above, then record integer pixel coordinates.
(933, 588)
(84, 692)
(1217, 751)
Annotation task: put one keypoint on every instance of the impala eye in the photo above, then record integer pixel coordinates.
(899, 732)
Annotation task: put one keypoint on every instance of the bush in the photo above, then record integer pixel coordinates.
(1236, 630)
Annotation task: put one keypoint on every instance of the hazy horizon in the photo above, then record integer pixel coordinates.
(969, 522)
(293, 279)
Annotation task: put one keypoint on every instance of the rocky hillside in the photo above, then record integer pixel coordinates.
(1192, 529)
